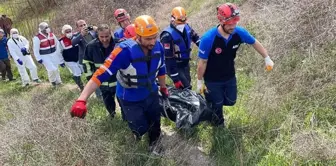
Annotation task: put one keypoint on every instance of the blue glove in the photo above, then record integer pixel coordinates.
(23, 49)
(40, 61)
(19, 61)
(62, 65)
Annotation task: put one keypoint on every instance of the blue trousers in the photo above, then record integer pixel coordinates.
(220, 94)
(108, 94)
(143, 116)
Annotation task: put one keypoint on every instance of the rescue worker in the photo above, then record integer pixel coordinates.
(18, 47)
(94, 56)
(70, 55)
(123, 19)
(137, 63)
(5, 65)
(176, 40)
(46, 51)
(217, 52)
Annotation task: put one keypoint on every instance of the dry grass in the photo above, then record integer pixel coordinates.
(278, 119)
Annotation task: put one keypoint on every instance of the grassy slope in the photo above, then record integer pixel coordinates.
(44, 133)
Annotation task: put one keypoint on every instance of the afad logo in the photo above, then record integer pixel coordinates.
(218, 50)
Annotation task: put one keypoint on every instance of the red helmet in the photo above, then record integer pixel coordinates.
(129, 31)
(121, 15)
(228, 13)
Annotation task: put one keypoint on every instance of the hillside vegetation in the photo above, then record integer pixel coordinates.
(283, 117)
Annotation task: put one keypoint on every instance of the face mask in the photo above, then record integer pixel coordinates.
(47, 30)
(69, 35)
(15, 36)
(180, 27)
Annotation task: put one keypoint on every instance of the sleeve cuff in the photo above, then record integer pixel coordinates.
(96, 80)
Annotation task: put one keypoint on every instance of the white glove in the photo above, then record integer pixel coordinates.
(269, 63)
(200, 87)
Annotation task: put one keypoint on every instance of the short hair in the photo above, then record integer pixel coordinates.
(78, 21)
(102, 27)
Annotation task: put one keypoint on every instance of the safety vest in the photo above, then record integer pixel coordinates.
(47, 44)
(70, 52)
(137, 74)
(181, 45)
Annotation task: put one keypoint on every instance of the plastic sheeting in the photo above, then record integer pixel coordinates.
(185, 107)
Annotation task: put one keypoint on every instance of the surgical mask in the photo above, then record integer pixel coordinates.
(180, 27)
(15, 36)
(68, 35)
(47, 30)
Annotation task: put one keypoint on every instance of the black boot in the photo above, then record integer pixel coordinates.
(79, 82)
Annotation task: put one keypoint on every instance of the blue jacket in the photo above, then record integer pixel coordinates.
(136, 72)
(177, 47)
(3, 48)
(119, 33)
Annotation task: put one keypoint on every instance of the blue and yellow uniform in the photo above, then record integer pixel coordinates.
(136, 87)
(177, 46)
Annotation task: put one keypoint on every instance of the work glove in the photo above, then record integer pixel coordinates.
(19, 61)
(40, 61)
(78, 109)
(23, 50)
(201, 88)
(269, 63)
(178, 85)
(62, 65)
(164, 92)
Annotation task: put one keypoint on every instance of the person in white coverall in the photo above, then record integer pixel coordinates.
(46, 51)
(18, 47)
(70, 55)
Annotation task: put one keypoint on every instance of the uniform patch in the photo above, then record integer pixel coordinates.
(166, 45)
(235, 46)
(218, 50)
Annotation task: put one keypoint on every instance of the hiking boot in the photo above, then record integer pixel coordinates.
(53, 83)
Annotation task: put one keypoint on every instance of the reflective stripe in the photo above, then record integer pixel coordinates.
(47, 48)
(65, 47)
(106, 69)
(173, 75)
(88, 72)
(98, 64)
(111, 84)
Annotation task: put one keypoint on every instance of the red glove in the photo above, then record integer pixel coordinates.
(78, 109)
(164, 92)
(178, 85)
